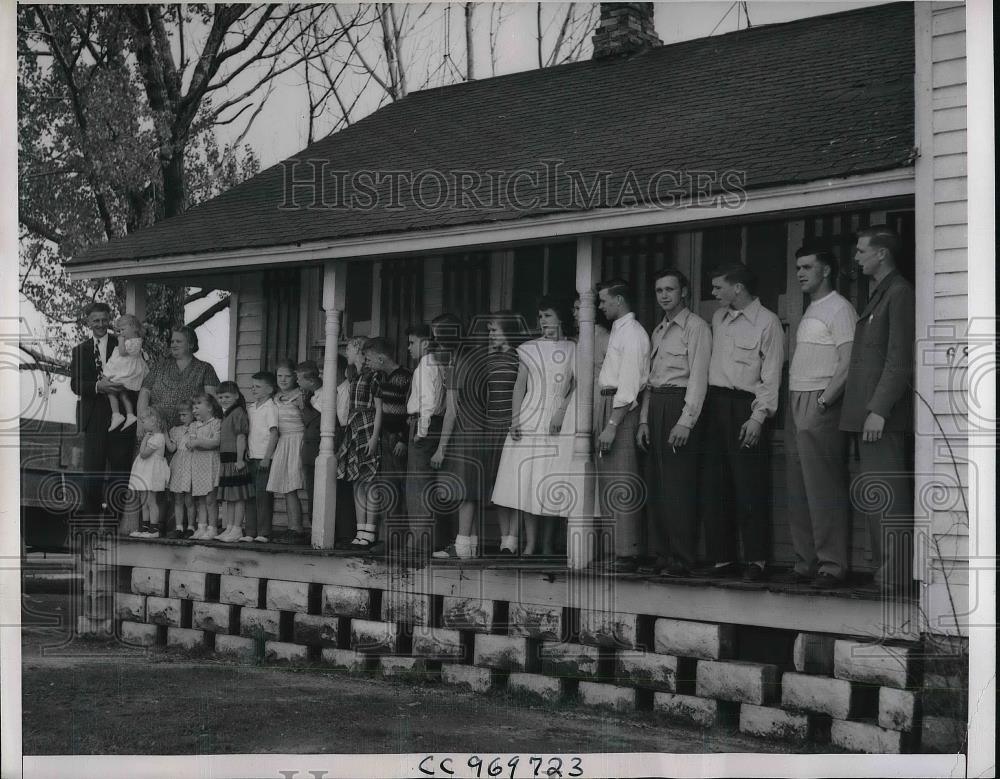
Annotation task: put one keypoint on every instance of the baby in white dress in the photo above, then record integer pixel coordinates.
(125, 366)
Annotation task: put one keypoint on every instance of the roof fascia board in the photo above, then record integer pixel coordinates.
(897, 182)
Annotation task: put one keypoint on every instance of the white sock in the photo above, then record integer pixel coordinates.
(474, 545)
(463, 546)
(509, 543)
(366, 533)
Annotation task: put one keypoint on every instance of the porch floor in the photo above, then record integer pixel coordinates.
(857, 587)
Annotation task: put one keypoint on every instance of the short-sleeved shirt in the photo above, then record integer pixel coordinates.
(393, 391)
(234, 424)
(826, 325)
(168, 385)
(262, 419)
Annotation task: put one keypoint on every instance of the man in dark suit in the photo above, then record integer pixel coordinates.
(878, 405)
(107, 455)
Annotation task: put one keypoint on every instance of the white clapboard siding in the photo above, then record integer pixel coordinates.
(249, 336)
(943, 432)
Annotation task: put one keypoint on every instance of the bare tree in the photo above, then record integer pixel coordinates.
(571, 24)
(387, 49)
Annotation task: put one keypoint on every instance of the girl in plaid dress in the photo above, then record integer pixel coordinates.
(358, 456)
(203, 441)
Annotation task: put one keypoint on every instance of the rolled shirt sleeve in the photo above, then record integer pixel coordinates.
(626, 364)
(699, 355)
(772, 357)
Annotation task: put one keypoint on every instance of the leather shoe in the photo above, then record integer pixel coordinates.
(755, 573)
(826, 581)
(726, 571)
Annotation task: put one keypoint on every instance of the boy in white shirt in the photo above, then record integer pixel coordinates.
(425, 414)
(263, 438)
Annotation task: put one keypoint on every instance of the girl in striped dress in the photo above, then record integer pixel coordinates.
(506, 332)
(235, 487)
(286, 466)
(358, 455)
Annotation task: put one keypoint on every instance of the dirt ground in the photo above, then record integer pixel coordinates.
(83, 697)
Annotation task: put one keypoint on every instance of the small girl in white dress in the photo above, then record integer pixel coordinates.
(150, 473)
(125, 366)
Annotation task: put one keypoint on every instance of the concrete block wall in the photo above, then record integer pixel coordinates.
(856, 695)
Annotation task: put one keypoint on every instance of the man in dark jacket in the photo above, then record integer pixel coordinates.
(107, 455)
(878, 405)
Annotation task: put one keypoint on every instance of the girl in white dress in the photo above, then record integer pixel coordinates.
(536, 473)
(125, 366)
(150, 473)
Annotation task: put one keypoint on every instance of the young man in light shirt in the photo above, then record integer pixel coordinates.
(744, 379)
(671, 428)
(818, 504)
(620, 486)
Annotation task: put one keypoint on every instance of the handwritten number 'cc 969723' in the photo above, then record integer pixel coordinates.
(507, 766)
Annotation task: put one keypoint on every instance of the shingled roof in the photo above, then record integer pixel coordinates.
(822, 97)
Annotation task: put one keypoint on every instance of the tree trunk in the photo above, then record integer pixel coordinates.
(174, 190)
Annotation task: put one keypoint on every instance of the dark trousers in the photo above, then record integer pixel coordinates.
(736, 482)
(619, 480)
(819, 510)
(672, 481)
(107, 459)
(390, 481)
(886, 497)
(260, 510)
(420, 483)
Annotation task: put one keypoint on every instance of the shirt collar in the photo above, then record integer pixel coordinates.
(750, 311)
(680, 320)
(622, 321)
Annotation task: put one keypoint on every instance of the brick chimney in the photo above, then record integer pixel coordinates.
(625, 28)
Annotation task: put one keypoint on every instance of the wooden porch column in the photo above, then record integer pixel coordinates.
(324, 497)
(135, 304)
(580, 526)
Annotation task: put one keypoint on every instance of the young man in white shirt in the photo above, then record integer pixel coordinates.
(818, 504)
(620, 485)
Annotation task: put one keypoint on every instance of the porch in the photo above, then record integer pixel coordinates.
(295, 309)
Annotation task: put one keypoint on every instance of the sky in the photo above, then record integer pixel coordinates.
(281, 129)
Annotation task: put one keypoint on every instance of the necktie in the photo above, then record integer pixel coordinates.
(97, 356)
